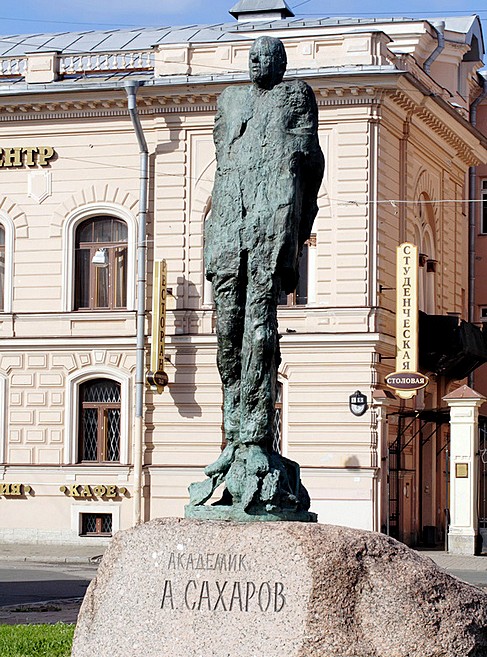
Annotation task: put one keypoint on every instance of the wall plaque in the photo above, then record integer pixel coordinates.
(461, 470)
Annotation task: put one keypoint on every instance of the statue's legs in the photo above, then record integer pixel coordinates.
(260, 353)
(229, 297)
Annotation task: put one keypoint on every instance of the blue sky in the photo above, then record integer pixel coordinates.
(31, 16)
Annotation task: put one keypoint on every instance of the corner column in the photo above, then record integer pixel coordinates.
(381, 402)
(464, 406)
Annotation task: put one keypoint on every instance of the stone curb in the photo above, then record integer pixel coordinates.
(38, 606)
(51, 559)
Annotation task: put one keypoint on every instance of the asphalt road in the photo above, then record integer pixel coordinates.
(22, 583)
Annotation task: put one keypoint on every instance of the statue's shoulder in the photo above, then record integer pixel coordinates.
(233, 95)
(297, 88)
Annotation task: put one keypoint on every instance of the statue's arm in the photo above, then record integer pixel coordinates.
(305, 129)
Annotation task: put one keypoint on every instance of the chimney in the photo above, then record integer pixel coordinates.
(261, 10)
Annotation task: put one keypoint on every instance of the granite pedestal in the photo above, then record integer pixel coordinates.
(188, 588)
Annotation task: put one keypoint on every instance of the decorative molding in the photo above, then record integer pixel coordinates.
(17, 216)
(39, 185)
(99, 194)
(83, 211)
(107, 107)
(436, 125)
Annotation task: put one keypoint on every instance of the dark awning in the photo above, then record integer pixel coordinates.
(450, 346)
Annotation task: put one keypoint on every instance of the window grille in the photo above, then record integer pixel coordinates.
(99, 428)
(96, 524)
(277, 424)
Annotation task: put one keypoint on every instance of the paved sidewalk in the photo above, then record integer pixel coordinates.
(41, 553)
(67, 553)
(455, 561)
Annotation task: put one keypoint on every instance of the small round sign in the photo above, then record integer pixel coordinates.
(358, 403)
(157, 379)
(406, 380)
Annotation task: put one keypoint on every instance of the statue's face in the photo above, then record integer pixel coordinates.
(266, 63)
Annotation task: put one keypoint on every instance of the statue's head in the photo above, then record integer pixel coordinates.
(267, 62)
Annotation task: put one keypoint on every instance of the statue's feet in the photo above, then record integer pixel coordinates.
(223, 462)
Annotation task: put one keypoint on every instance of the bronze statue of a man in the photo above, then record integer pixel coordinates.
(269, 170)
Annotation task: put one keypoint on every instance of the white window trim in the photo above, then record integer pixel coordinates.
(483, 195)
(285, 400)
(312, 252)
(69, 230)
(9, 228)
(3, 418)
(429, 279)
(482, 319)
(72, 411)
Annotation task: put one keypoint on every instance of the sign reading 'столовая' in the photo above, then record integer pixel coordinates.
(240, 593)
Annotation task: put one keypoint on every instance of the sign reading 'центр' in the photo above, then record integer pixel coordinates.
(28, 156)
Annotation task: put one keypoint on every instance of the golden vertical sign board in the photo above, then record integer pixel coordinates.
(156, 377)
(406, 380)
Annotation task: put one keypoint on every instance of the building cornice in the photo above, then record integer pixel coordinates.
(410, 104)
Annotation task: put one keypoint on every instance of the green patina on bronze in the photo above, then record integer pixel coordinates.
(269, 170)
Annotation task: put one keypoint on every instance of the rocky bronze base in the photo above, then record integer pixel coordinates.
(237, 513)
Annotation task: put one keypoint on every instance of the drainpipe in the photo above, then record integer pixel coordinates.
(472, 223)
(440, 32)
(131, 89)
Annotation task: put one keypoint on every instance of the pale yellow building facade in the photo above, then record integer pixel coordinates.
(397, 145)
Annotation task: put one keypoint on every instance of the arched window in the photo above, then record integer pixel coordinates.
(2, 268)
(99, 421)
(101, 264)
(427, 263)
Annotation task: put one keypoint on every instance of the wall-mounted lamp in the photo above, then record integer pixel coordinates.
(100, 259)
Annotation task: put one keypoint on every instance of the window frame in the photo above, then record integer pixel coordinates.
(102, 409)
(71, 428)
(8, 226)
(98, 517)
(483, 206)
(3, 418)
(73, 220)
(94, 271)
(291, 298)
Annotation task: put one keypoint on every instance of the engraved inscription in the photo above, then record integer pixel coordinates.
(205, 595)
(231, 563)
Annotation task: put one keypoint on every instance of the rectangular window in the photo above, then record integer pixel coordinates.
(483, 313)
(483, 207)
(300, 295)
(96, 524)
